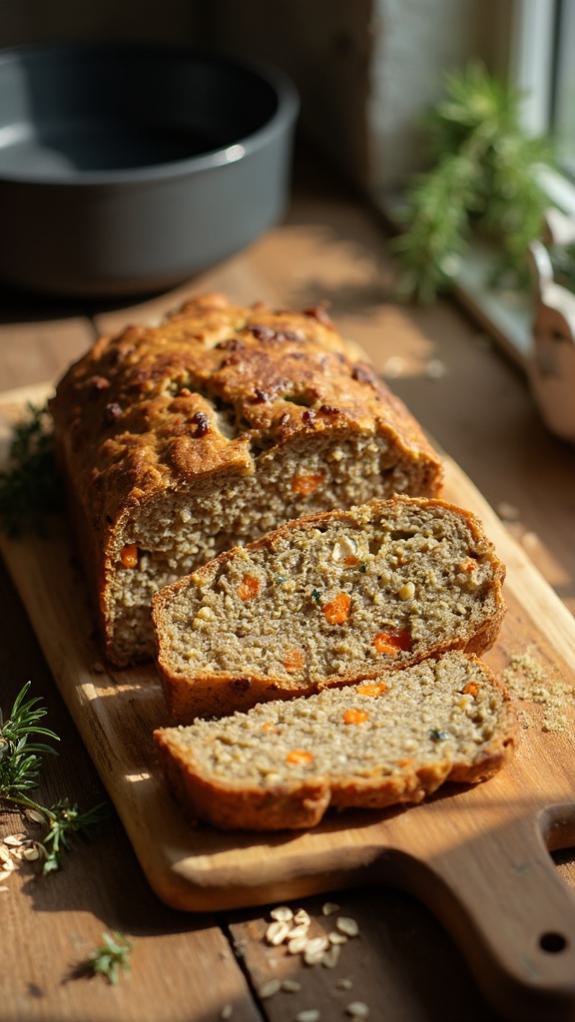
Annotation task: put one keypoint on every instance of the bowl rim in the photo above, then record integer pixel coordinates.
(283, 117)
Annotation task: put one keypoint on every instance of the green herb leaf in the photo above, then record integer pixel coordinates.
(111, 957)
(483, 179)
(316, 595)
(30, 488)
(21, 759)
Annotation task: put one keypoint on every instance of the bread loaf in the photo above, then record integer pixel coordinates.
(393, 739)
(179, 440)
(325, 600)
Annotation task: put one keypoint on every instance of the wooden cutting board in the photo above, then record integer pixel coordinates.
(477, 857)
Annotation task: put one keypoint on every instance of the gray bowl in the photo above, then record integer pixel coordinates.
(125, 169)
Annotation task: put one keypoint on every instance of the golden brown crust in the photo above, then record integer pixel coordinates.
(302, 805)
(223, 692)
(143, 412)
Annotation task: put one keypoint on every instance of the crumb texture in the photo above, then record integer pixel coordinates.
(389, 740)
(213, 427)
(333, 598)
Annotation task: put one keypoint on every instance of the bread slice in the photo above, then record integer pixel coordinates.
(324, 600)
(394, 739)
(210, 429)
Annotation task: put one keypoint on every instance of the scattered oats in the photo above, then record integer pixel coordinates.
(283, 914)
(347, 925)
(4, 854)
(35, 817)
(5, 874)
(394, 367)
(330, 908)
(331, 956)
(296, 945)
(312, 957)
(31, 854)
(310, 1015)
(227, 1011)
(14, 840)
(291, 986)
(507, 512)
(529, 680)
(344, 984)
(302, 917)
(337, 938)
(276, 933)
(299, 931)
(435, 369)
(317, 944)
(357, 1009)
(270, 988)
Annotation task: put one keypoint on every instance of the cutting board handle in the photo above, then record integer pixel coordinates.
(509, 911)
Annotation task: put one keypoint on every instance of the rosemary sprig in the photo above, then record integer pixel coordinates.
(30, 486)
(483, 178)
(21, 757)
(111, 957)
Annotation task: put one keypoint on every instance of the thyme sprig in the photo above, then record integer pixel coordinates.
(21, 758)
(111, 957)
(30, 487)
(483, 177)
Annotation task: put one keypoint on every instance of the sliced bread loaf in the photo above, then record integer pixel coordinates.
(211, 429)
(280, 765)
(324, 600)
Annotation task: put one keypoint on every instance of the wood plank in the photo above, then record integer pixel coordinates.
(449, 840)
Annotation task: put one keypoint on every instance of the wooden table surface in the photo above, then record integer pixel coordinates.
(404, 966)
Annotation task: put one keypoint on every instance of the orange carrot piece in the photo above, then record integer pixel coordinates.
(307, 484)
(355, 717)
(375, 689)
(471, 689)
(336, 612)
(248, 588)
(129, 556)
(388, 642)
(294, 659)
(299, 756)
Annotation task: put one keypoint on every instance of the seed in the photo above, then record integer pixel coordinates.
(357, 1009)
(14, 840)
(33, 815)
(347, 925)
(291, 986)
(4, 855)
(283, 914)
(302, 917)
(276, 933)
(331, 957)
(296, 945)
(310, 1015)
(312, 957)
(330, 908)
(8, 866)
(270, 988)
(205, 613)
(299, 931)
(227, 1011)
(317, 944)
(407, 591)
(337, 938)
(344, 984)
(31, 854)
(5, 874)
